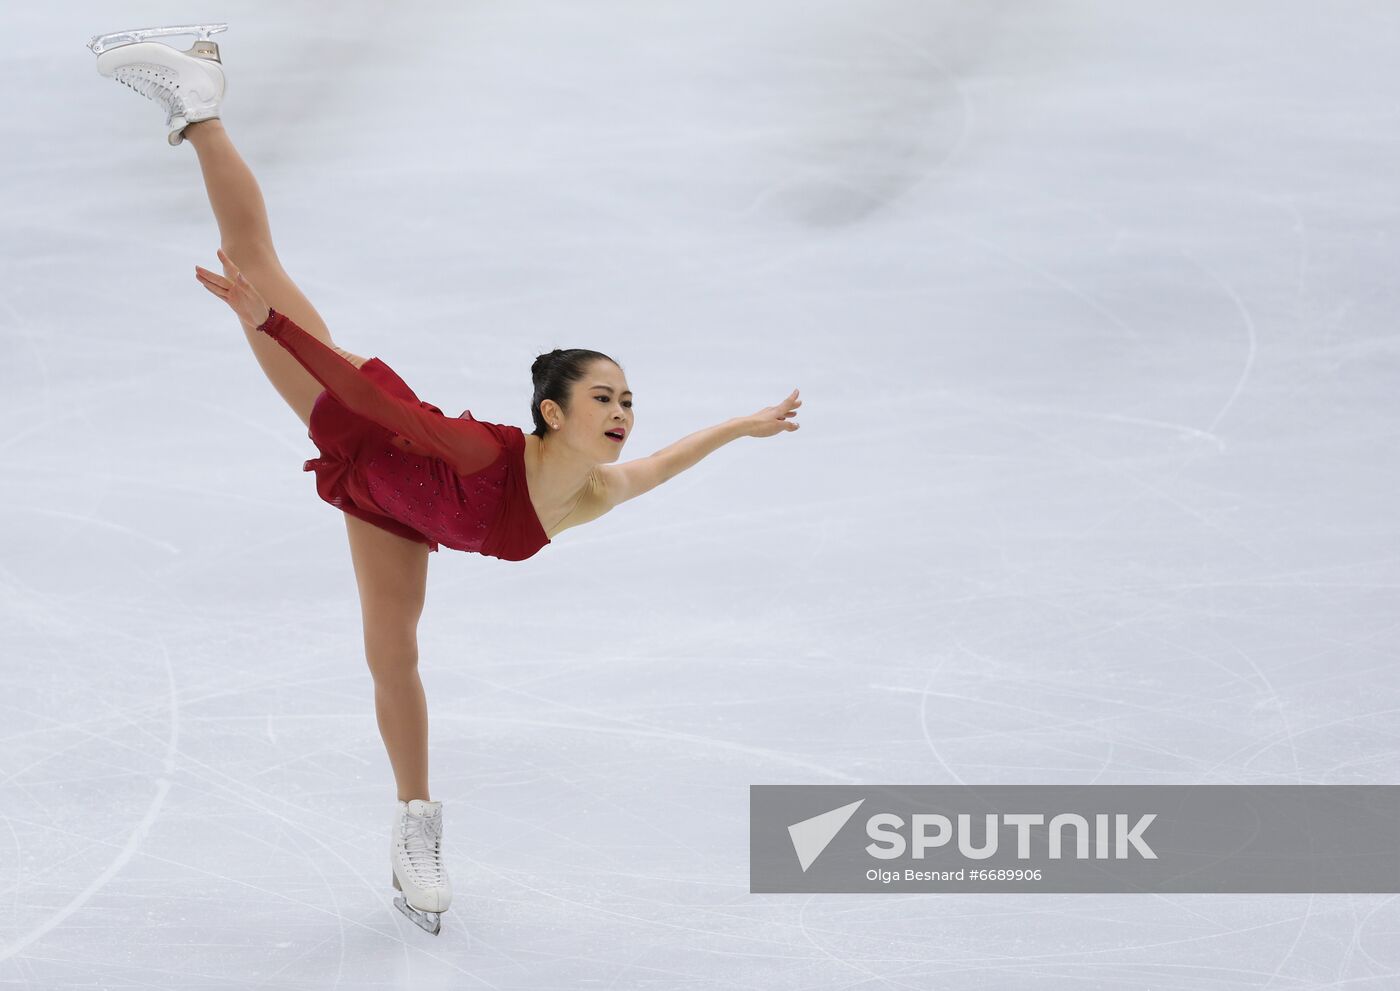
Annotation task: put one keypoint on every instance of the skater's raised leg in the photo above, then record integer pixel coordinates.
(392, 575)
(247, 239)
(189, 85)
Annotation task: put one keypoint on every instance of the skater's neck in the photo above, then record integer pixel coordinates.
(557, 474)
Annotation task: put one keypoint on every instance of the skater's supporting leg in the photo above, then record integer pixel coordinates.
(401, 709)
(247, 239)
(392, 575)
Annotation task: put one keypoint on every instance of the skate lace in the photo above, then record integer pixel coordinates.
(150, 87)
(422, 845)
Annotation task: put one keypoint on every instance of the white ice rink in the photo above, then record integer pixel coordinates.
(1093, 311)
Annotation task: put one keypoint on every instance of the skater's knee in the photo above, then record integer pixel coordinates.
(390, 670)
(391, 655)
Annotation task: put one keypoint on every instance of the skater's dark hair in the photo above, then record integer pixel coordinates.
(555, 374)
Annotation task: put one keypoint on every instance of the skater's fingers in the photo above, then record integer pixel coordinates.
(214, 289)
(204, 273)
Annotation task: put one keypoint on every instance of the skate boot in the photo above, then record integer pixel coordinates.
(416, 853)
(188, 84)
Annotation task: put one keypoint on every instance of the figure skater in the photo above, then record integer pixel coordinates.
(406, 477)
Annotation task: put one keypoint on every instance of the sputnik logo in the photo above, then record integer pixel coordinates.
(811, 836)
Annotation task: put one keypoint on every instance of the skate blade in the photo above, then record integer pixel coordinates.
(427, 921)
(105, 42)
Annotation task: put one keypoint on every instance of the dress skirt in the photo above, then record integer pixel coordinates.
(351, 446)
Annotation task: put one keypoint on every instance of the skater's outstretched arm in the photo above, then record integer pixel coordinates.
(631, 478)
(465, 444)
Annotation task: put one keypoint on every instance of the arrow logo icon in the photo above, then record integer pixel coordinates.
(811, 836)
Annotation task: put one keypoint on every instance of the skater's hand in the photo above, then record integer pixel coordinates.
(236, 291)
(767, 422)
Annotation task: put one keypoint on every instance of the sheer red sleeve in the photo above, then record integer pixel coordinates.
(465, 444)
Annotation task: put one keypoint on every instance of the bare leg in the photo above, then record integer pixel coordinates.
(392, 574)
(401, 708)
(247, 239)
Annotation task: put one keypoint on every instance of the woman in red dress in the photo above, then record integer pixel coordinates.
(408, 478)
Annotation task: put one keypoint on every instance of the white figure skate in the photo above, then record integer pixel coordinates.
(188, 84)
(416, 853)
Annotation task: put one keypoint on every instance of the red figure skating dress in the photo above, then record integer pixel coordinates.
(395, 461)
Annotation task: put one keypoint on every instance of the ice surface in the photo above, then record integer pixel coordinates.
(1092, 307)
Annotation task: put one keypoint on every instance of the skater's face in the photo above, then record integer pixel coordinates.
(599, 403)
